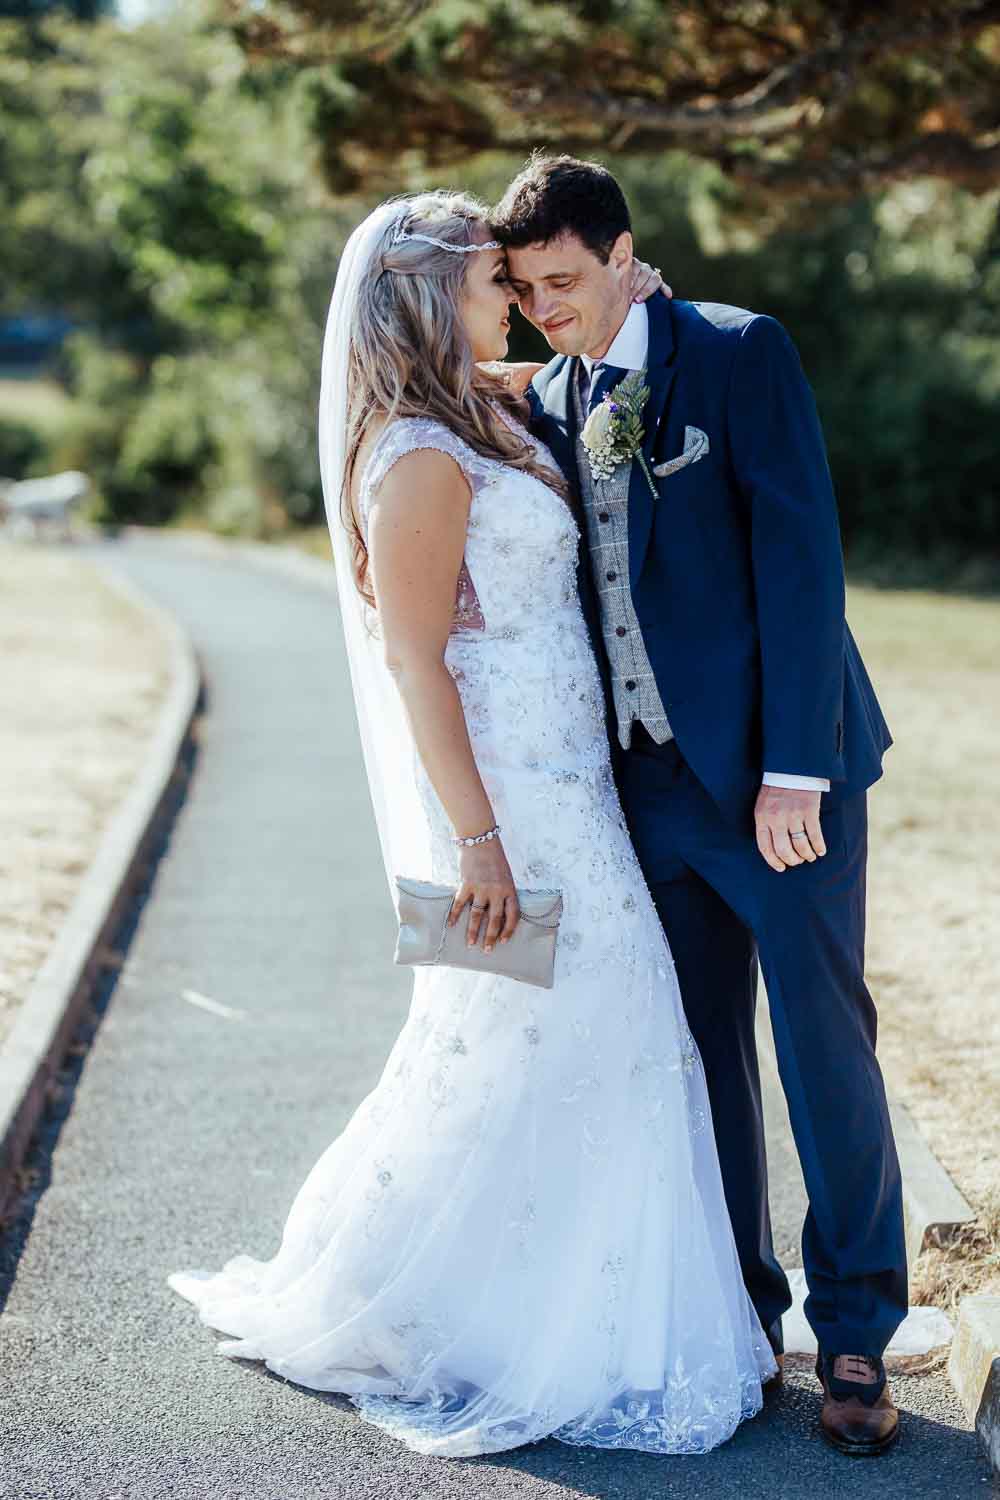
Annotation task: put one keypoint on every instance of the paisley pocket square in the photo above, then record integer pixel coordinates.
(695, 447)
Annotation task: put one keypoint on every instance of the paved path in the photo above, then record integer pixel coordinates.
(184, 1134)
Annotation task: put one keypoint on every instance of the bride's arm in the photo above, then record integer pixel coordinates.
(416, 540)
(517, 375)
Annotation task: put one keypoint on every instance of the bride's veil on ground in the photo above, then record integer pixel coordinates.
(386, 740)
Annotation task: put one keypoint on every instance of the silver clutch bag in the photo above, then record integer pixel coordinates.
(425, 937)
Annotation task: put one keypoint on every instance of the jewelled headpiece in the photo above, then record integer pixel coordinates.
(402, 235)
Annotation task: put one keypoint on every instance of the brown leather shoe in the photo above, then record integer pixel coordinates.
(858, 1415)
(775, 1383)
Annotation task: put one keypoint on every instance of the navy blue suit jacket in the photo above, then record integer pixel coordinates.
(736, 568)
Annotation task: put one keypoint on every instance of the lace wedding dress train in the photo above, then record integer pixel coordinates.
(521, 1232)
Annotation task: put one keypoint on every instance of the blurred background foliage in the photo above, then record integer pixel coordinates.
(181, 191)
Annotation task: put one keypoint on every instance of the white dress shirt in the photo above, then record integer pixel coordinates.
(628, 351)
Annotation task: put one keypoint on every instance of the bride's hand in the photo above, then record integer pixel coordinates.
(486, 884)
(646, 280)
(516, 376)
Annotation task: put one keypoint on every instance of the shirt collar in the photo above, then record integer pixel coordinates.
(630, 345)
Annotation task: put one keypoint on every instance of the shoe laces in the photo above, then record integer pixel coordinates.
(856, 1367)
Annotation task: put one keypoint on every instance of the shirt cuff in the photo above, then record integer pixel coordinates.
(797, 783)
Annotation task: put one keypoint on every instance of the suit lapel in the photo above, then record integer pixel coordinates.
(556, 426)
(559, 419)
(661, 370)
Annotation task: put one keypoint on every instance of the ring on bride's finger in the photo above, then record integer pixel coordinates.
(479, 908)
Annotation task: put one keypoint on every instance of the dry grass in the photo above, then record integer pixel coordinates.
(970, 1263)
(82, 676)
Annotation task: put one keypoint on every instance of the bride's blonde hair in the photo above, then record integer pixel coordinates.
(410, 356)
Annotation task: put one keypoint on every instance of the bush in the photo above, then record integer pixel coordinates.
(22, 450)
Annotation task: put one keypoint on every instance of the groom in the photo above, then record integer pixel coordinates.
(744, 733)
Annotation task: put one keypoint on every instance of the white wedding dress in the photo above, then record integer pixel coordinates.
(521, 1231)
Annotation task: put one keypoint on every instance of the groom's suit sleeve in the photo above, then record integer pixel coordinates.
(780, 465)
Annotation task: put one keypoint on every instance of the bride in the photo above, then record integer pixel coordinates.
(521, 1232)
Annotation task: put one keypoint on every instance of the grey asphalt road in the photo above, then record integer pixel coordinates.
(183, 1133)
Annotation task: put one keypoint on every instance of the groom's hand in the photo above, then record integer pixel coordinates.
(781, 812)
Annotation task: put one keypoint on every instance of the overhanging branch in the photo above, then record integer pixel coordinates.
(783, 97)
(941, 153)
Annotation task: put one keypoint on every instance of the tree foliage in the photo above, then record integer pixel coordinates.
(817, 97)
(33, 10)
(170, 206)
(168, 198)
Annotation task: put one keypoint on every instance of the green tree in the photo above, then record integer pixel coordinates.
(176, 202)
(801, 97)
(170, 204)
(80, 10)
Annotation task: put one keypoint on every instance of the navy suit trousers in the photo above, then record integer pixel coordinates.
(727, 916)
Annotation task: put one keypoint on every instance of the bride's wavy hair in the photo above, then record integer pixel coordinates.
(410, 356)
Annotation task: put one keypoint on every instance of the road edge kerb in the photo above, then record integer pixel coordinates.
(974, 1370)
(933, 1207)
(34, 1049)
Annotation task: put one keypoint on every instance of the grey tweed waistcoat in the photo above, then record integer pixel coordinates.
(605, 504)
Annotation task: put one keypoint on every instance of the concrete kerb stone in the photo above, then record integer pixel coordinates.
(36, 1045)
(974, 1370)
(933, 1208)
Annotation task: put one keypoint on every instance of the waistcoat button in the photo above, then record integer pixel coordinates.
(630, 685)
(611, 575)
(620, 630)
(604, 516)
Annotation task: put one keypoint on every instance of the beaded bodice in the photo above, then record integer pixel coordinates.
(522, 540)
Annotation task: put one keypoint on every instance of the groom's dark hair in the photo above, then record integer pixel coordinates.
(554, 195)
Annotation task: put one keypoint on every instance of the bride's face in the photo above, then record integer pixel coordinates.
(486, 300)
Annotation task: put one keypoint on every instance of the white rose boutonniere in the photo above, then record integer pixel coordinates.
(613, 432)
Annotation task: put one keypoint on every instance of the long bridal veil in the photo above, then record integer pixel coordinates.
(386, 740)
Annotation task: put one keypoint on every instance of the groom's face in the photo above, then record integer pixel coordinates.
(577, 302)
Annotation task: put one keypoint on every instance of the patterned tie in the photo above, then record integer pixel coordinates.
(603, 378)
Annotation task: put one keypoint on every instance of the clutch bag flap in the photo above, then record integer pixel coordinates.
(425, 937)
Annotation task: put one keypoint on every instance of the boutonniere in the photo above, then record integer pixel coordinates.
(613, 432)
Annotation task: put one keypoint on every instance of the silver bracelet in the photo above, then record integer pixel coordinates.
(480, 838)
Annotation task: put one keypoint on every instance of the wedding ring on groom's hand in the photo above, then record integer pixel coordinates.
(800, 833)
